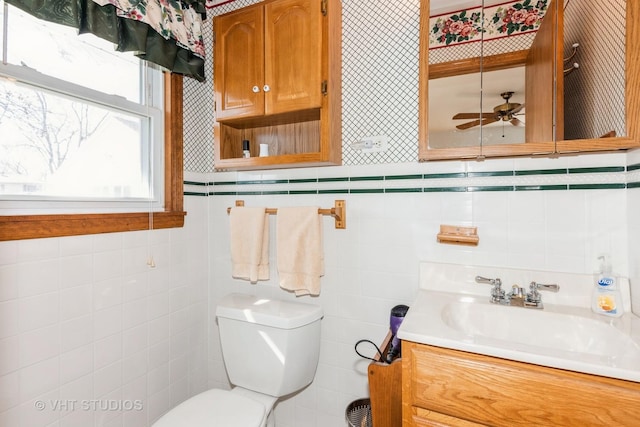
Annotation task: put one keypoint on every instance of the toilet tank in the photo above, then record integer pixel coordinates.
(269, 346)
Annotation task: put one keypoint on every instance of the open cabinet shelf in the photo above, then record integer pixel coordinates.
(278, 82)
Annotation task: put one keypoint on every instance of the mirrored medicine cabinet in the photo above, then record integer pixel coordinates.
(530, 77)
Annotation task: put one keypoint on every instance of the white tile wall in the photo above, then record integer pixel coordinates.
(373, 264)
(85, 321)
(633, 233)
(72, 328)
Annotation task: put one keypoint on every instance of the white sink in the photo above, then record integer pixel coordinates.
(560, 336)
(537, 328)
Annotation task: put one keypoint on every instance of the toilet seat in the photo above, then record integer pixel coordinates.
(215, 408)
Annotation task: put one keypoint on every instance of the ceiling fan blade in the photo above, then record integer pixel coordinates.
(488, 121)
(468, 125)
(473, 123)
(517, 122)
(469, 116)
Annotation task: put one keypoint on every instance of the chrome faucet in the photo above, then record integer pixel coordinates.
(497, 293)
(517, 297)
(534, 297)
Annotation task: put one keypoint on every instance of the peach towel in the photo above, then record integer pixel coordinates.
(249, 229)
(300, 252)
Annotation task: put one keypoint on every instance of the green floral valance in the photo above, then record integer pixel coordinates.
(165, 32)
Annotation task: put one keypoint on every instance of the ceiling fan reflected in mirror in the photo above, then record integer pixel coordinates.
(505, 112)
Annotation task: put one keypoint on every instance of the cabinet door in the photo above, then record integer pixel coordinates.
(544, 79)
(293, 55)
(239, 68)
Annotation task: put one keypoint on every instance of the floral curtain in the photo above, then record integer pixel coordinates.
(165, 32)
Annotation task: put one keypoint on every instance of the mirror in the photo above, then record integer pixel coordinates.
(453, 35)
(455, 103)
(555, 106)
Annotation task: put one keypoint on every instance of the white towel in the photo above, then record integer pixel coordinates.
(249, 227)
(299, 246)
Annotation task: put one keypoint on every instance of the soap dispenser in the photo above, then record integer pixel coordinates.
(606, 298)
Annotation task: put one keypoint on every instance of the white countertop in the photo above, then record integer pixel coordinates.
(456, 314)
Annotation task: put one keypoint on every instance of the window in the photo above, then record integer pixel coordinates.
(89, 142)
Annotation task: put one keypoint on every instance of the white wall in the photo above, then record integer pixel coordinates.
(373, 264)
(633, 231)
(84, 322)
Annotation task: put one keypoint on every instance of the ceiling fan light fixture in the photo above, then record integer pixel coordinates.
(504, 112)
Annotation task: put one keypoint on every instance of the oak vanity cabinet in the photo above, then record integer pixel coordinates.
(443, 387)
(277, 79)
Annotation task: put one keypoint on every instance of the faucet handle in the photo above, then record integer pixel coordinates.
(497, 293)
(493, 282)
(542, 287)
(534, 296)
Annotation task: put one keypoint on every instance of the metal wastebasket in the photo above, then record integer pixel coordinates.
(358, 413)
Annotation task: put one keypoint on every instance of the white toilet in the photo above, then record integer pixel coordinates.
(270, 349)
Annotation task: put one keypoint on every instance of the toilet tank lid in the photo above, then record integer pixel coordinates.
(268, 312)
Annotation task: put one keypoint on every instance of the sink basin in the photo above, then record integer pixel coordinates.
(550, 330)
(558, 336)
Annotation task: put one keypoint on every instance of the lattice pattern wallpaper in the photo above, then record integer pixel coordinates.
(594, 93)
(198, 115)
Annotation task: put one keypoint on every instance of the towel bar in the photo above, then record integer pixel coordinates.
(339, 212)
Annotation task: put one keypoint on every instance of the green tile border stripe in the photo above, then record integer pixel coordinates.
(366, 191)
(333, 179)
(262, 182)
(303, 192)
(596, 186)
(541, 187)
(403, 190)
(488, 173)
(608, 169)
(633, 167)
(444, 175)
(427, 189)
(302, 180)
(490, 188)
(366, 178)
(223, 193)
(444, 190)
(249, 193)
(469, 189)
(397, 177)
(541, 172)
(333, 191)
(274, 192)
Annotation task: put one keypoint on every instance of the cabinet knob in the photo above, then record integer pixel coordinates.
(266, 88)
(255, 89)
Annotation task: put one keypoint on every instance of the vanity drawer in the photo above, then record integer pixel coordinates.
(498, 392)
(425, 418)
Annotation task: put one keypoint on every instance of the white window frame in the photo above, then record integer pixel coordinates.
(151, 112)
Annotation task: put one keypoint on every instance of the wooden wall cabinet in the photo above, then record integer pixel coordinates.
(277, 77)
(443, 387)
